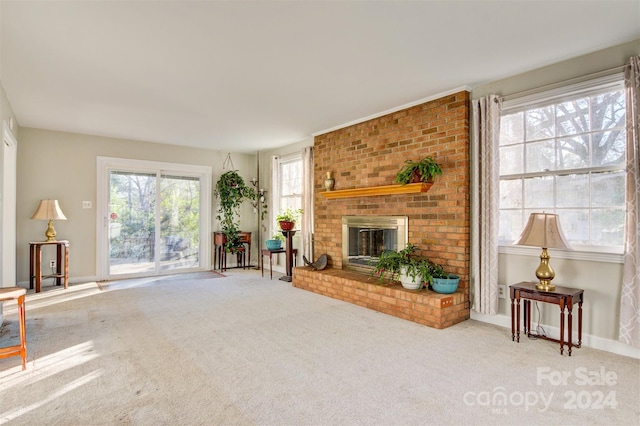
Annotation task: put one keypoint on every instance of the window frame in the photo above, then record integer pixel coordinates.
(277, 186)
(558, 94)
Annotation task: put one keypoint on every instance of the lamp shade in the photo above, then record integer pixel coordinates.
(543, 230)
(48, 210)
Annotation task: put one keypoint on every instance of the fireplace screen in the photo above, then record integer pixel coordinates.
(364, 238)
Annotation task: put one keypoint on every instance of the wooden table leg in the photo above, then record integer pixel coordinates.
(517, 317)
(66, 266)
(32, 259)
(579, 323)
(38, 272)
(59, 264)
(562, 303)
(570, 326)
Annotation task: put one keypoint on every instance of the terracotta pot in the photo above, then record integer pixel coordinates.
(285, 225)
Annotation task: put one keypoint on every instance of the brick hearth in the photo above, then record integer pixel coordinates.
(422, 306)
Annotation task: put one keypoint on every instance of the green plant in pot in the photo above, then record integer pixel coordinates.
(418, 171)
(412, 271)
(287, 218)
(276, 241)
(231, 192)
(443, 282)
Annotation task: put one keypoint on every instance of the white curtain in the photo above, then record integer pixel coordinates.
(275, 193)
(307, 202)
(630, 298)
(485, 179)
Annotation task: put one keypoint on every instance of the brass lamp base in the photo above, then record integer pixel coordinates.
(545, 273)
(51, 232)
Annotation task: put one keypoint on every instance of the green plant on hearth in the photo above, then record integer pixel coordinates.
(412, 271)
(231, 192)
(418, 171)
(442, 281)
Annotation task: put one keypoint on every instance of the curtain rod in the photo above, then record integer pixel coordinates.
(563, 83)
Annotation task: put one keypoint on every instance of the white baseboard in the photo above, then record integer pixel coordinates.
(588, 340)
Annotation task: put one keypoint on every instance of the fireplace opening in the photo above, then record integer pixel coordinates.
(364, 238)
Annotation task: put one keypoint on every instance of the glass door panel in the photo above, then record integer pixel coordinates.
(179, 222)
(132, 223)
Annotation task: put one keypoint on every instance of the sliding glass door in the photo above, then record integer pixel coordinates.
(156, 221)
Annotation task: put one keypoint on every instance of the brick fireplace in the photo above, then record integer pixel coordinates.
(368, 155)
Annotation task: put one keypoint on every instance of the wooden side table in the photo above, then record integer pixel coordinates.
(270, 253)
(219, 254)
(564, 297)
(35, 263)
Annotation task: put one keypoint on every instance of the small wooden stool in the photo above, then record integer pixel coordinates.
(270, 253)
(11, 293)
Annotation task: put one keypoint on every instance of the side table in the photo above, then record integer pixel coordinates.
(35, 263)
(270, 253)
(564, 297)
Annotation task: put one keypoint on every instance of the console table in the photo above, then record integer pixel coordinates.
(219, 254)
(35, 263)
(564, 297)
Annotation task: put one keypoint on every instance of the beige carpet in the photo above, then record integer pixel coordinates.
(243, 350)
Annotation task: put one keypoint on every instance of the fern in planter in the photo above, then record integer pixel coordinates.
(418, 171)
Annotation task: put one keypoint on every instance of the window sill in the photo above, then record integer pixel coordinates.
(589, 256)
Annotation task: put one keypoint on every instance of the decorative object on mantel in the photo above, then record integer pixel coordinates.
(372, 191)
(418, 171)
(287, 218)
(319, 264)
(329, 182)
(543, 230)
(49, 210)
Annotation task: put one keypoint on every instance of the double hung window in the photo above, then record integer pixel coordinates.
(564, 152)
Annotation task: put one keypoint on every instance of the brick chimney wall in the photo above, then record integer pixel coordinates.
(371, 153)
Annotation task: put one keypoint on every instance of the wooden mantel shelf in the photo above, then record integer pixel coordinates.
(372, 191)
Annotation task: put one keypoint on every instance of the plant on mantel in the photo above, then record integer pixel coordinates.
(418, 171)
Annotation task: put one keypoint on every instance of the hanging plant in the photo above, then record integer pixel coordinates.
(231, 192)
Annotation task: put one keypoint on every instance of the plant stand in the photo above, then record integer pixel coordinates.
(289, 253)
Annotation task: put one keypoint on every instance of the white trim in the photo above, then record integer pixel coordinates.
(590, 256)
(562, 91)
(106, 164)
(588, 340)
(396, 109)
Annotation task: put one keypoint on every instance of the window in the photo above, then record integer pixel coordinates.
(288, 184)
(566, 155)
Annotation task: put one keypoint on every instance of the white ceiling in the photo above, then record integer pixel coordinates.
(244, 76)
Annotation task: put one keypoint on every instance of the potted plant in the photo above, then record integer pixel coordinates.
(418, 171)
(231, 192)
(287, 218)
(443, 282)
(276, 241)
(403, 266)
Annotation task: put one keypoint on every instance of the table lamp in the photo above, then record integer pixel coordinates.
(543, 230)
(49, 210)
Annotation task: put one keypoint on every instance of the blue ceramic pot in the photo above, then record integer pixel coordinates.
(273, 244)
(446, 285)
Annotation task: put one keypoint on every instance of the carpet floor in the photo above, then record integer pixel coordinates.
(204, 349)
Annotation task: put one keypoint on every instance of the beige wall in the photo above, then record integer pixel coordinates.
(63, 166)
(601, 281)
